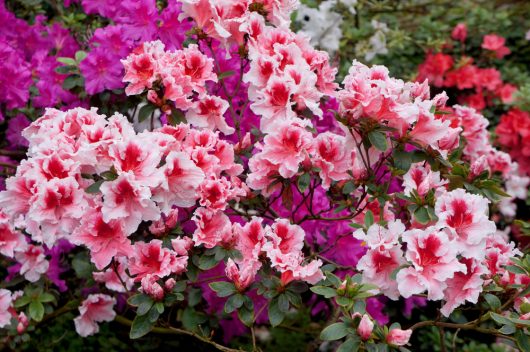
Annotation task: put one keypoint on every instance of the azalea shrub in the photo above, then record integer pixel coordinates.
(203, 174)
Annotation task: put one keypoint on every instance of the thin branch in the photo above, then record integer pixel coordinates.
(175, 331)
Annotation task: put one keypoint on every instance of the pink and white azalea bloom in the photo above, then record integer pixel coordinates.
(309, 273)
(96, 308)
(465, 215)
(242, 275)
(464, 286)
(377, 267)
(250, 238)
(5, 306)
(104, 240)
(433, 259)
(151, 287)
(182, 245)
(10, 239)
(283, 240)
(56, 209)
(213, 228)
(215, 193)
(380, 237)
(274, 103)
(128, 200)
(422, 179)
(365, 328)
(332, 158)
(398, 337)
(153, 259)
(208, 113)
(112, 281)
(139, 158)
(287, 147)
(33, 261)
(180, 186)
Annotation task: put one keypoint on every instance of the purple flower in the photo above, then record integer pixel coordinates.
(63, 43)
(101, 70)
(140, 18)
(15, 77)
(113, 40)
(104, 8)
(171, 31)
(14, 129)
(56, 269)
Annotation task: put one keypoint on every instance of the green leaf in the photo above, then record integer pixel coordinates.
(422, 215)
(276, 316)
(153, 315)
(80, 55)
(82, 266)
(109, 175)
(194, 296)
(94, 188)
(297, 286)
(72, 82)
(246, 315)
(207, 262)
(500, 319)
(223, 288)
(327, 292)
(176, 117)
(515, 269)
(145, 307)
(233, 303)
(68, 61)
(159, 306)
(368, 219)
(142, 302)
(378, 140)
(141, 326)
(225, 74)
(145, 112)
(303, 182)
(191, 319)
(66, 69)
(334, 332)
(348, 188)
(22, 301)
(402, 160)
(46, 297)
(350, 345)
(36, 310)
(343, 301)
(283, 303)
(507, 329)
(332, 278)
(493, 301)
(523, 340)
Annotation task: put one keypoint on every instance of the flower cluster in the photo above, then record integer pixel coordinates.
(513, 133)
(238, 182)
(478, 86)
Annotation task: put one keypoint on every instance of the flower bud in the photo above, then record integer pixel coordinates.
(365, 327)
(398, 337)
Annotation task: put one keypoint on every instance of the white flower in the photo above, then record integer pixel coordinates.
(377, 41)
(322, 25)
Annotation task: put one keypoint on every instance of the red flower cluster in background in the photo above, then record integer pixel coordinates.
(478, 84)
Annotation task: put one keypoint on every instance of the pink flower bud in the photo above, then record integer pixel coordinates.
(459, 32)
(151, 287)
(23, 323)
(152, 96)
(365, 327)
(169, 284)
(398, 337)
